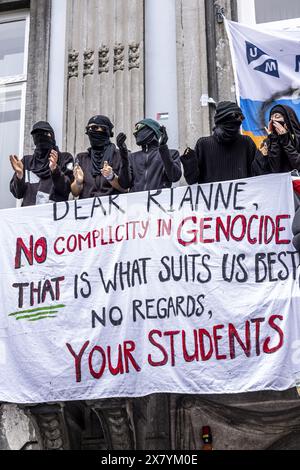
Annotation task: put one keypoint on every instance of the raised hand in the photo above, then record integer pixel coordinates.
(78, 174)
(53, 159)
(164, 136)
(188, 153)
(17, 165)
(279, 128)
(270, 128)
(107, 171)
(121, 139)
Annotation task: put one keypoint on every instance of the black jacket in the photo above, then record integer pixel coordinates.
(96, 186)
(156, 168)
(34, 190)
(213, 161)
(284, 149)
(283, 155)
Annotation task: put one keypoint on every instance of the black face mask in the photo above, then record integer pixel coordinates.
(281, 122)
(227, 132)
(145, 136)
(98, 140)
(43, 142)
(40, 159)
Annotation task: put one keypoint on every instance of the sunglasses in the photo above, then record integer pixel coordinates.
(93, 128)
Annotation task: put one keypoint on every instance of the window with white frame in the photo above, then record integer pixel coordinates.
(14, 38)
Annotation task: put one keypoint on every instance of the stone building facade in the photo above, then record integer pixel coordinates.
(131, 59)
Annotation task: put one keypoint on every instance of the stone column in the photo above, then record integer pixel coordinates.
(152, 421)
(192, 71)
(204, 64)
(105, 67)
(220, 73)
(16, 429)
(225, 79)
(38, 67)
(115, 420)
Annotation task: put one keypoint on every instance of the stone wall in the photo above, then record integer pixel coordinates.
(204, 64)
(105, 67)
(38, 67)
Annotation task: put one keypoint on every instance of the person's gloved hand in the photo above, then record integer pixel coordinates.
(188, 153)
(121, 138)
(164, 136)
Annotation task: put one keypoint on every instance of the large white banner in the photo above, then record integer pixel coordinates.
(266, 63)
(187, 290)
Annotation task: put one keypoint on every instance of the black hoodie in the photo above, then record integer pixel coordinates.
(154, 167)
(284, 149)
(97, 186)
(53, 188)
(39, 185)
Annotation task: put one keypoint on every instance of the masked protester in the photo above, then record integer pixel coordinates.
(44, 176)
(94, 169)
(283, 140)
(226, 155)
(154, 166)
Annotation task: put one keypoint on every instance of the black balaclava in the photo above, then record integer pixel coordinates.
(291, 120)
(148, 135)
(42, 141)
(43, 146)
(228, 120)
(99, 140)
(101, 147)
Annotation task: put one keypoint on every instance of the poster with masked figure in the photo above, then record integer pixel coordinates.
(266, 65)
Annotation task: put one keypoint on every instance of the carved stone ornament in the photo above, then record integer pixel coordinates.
(88, 62)
(118, 57)
(134, 55)
(73, 64)
(103, 59)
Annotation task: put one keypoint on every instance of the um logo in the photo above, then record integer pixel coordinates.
(269, 66)
(253, 52)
